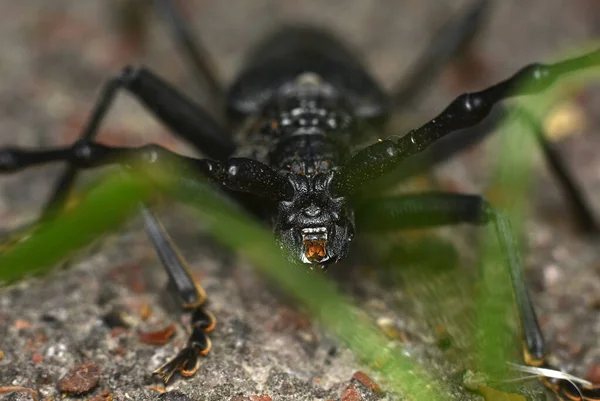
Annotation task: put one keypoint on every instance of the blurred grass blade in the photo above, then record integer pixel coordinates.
(509, 193)
(110, 203)
(320, 296)
(104, 208)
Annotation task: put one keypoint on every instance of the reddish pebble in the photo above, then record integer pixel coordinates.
(37, 358)
(22, 324)
(289, 319)
(351, 394)
(118, 331)
(366, 381)
(80, 380)
(158, 337)
(593, 374)
(145, 311)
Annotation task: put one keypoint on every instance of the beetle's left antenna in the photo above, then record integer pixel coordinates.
(203, 67)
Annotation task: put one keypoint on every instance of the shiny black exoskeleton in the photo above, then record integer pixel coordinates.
(302, 100)
(287, 155)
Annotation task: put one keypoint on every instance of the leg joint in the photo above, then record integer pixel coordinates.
(129, 75)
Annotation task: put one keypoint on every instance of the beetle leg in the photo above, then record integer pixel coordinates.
(437, 153)
(448, 146)
(237, 174)
(192, 49)
(467, 110)
(580, 208)
(191, 299)
(452, 39)
(435, 209)
(182, 116)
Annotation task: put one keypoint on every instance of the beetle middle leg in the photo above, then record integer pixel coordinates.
(457, 141)
(435, 209)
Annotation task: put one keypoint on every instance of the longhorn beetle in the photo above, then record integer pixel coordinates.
(298, 104)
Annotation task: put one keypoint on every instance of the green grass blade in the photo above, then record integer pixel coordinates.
(104, 208)
(317, 294)
(110, 204)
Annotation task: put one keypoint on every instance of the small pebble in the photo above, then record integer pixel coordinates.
(564, 121)
(351, 394)
(145, 311)
(552, 276)
(80, 380)
(366, 381)
(389, 328)
(593, 374)
(289, 319)
(37, 358)
(22, 324)
(158, 337)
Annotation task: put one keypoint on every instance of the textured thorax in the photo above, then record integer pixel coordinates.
(304, 129)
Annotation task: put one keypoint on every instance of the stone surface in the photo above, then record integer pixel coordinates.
(55, 55)
(174, 396)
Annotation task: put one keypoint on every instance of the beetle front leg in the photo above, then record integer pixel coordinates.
(191, 297)
(468, 110)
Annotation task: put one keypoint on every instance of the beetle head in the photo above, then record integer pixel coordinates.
(314, 227)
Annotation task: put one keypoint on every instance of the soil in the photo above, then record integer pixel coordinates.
(56, 55)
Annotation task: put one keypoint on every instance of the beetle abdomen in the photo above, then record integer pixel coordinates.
(292, 51)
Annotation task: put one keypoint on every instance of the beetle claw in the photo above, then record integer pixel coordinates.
(186, 361)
